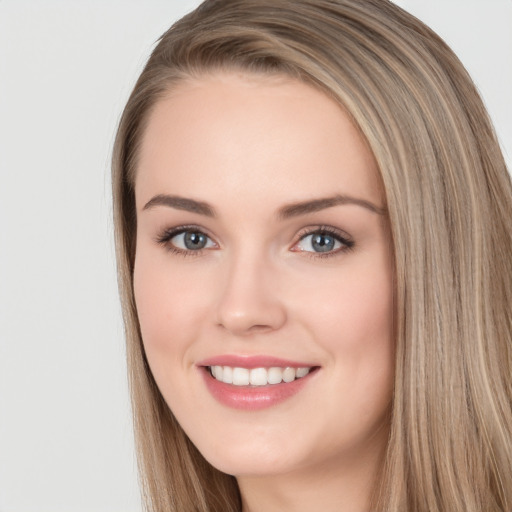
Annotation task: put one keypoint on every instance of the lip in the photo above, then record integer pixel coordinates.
(250, 362)
(253, 398)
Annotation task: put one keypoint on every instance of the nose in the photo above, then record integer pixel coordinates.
(250, 301)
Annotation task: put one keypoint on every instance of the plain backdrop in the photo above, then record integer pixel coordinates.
(66, 69)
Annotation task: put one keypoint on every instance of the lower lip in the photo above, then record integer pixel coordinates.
(253, 398)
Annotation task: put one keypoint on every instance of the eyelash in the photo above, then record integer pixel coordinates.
(166, 237)
(340, 236)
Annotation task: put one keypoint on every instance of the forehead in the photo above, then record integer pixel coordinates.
(229, 133)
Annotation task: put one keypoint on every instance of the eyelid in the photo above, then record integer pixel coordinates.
(341, 236)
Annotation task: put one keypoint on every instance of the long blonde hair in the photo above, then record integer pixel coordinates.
(449, 198)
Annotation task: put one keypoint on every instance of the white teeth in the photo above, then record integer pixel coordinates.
(218, 372)
(274, 375)
(240, 376)
(289, 374)
(227, 375)
(257, 376)
(302, 372)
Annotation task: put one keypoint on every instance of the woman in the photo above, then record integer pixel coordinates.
(314, 235)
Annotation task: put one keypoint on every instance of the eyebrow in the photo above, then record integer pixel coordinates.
(315, 205)
(181, 203)
(286, 212)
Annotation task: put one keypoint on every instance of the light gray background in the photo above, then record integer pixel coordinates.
(66, 69)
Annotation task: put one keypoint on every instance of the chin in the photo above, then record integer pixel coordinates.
(261, 466)
(256, 459)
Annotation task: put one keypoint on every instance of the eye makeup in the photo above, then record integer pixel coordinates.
(187, 240)
(313, 241)
(326, 242)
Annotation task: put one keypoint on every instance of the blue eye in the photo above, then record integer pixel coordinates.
(190, 240)
(185, 241)
(323, 242)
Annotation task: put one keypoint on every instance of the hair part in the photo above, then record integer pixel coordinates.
(449, 199)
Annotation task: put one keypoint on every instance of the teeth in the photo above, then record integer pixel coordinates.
(218, 372)
(227, 374)
(257, 376)
(240, 376)
(301, 372)
(289, 374)
(274, 375)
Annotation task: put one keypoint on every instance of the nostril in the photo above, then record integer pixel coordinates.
(260, 328)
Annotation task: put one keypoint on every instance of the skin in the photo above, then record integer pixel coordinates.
(249, 146)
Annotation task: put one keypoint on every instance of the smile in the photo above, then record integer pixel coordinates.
(238, 376)
(255, 382)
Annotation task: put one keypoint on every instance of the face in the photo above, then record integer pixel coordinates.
(263, 275)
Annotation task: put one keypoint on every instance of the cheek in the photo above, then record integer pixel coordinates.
(351, 317)
(169, 308)
(369, 308)
(350, 310)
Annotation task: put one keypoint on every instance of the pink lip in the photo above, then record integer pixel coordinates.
(252, 362)
(252, 398)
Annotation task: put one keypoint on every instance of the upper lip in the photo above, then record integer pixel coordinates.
(258, 361)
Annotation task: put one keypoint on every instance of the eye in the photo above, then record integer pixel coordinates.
(191, 241)
(186, 240)
(323, 242)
